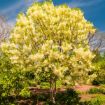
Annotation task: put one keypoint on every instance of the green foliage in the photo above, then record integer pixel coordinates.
(96, 90)
(99, 63)
(69, 97)
(25, 93)
(100, 100)
(13, 82)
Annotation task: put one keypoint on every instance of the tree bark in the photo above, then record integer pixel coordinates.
(52, 93)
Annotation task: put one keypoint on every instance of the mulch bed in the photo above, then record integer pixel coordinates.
(35, 91)
(83, 88)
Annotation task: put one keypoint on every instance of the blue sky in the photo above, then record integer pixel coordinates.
(94, 10)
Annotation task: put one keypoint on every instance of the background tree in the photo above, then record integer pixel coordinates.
(99, 63)
(97, 43)
(51, 41)
(4, 29)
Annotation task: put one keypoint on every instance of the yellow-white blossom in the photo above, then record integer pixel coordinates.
(50, 39)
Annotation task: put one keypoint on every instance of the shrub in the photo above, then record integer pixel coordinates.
(96, 90)
(100, 79)
(99, 100)
(69, 97)
(96, 82)
(99, 64)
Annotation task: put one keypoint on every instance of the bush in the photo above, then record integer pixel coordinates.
(69, 97)
(96, 90)
(99, 64)
(7, 100)
(100, 79)
(96, 82)
(99, 100)
(93, 102)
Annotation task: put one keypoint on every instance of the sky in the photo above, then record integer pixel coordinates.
(94, 10)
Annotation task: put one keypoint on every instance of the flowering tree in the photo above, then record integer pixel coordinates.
(51, 41)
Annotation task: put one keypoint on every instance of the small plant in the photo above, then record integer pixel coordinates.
(96, 90)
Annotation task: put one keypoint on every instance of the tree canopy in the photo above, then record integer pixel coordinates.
(52, 41)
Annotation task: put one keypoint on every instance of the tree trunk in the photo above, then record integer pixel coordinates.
(55, 89)
(52, 96)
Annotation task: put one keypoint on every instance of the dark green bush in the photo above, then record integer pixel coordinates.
(96, 82)
(7, 100)
(69, 97)
(96, 90)
(85, 103)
